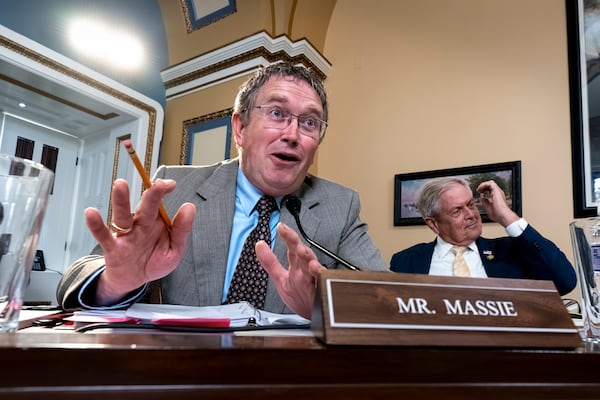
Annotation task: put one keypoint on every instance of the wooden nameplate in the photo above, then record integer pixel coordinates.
(384, 308)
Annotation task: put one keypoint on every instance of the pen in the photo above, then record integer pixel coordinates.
(145, 179)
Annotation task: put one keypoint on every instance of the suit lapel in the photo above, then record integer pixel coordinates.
(422, 263)
(215, 205)
(488, 256)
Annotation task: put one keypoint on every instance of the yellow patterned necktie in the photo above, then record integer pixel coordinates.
(460, 266)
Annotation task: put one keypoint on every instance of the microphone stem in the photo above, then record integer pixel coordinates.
(323, 249)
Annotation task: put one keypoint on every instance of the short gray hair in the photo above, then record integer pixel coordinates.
(429, 196)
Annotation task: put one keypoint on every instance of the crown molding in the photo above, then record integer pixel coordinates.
(239, 59)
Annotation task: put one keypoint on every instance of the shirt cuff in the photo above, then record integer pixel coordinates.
(516, 228)
(131, 298)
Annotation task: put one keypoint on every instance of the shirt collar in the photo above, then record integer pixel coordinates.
(445, 247)
(248, 194)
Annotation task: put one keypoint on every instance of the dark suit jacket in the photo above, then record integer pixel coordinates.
(329, 215)
(528, 256)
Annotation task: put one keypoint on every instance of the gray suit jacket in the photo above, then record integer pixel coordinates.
(329, 215)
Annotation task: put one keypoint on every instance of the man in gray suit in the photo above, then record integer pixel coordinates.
(213, 208)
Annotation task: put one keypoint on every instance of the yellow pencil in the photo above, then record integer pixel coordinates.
(145, 179)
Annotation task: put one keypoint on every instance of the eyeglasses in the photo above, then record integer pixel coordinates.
(279, 118)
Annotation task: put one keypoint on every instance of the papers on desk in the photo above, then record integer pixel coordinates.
(223, 316)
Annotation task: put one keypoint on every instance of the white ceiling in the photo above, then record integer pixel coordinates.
(53, 105)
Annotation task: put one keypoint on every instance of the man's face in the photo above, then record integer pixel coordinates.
(277, 160)
(459, 222)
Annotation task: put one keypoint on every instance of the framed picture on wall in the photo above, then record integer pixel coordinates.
(407, 187)
(199, 13)
(206, 139)
(583, 38)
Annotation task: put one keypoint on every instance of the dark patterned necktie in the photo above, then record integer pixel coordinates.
(249, 281)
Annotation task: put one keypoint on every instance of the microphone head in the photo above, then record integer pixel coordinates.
(293, 204)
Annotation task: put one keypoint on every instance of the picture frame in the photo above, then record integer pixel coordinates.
(207, 139)
(584, 87)
(408, 185)
(198, 14)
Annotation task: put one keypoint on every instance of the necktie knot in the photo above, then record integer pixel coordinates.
(459, 250)
(265, 206)
(460, 266)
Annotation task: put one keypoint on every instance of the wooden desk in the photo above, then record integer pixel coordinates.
(189, 366)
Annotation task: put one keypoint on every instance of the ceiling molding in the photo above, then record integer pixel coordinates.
(59, 99)
(239, 59)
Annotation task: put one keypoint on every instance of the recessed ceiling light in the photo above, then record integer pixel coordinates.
(22, 105)
(107, 43)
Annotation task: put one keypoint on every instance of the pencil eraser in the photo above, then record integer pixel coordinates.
(127, 143)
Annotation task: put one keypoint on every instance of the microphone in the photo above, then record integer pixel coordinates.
(293, 205)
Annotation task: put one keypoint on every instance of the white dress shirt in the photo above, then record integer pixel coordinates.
(443, 258)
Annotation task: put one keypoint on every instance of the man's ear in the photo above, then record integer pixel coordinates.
(432, 224)
(237, 126)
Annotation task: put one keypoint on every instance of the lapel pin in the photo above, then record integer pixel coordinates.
(488, 254)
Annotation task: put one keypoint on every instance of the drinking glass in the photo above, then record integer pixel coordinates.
(24, 190)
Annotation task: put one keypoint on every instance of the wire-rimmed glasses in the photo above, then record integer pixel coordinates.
(280, 118)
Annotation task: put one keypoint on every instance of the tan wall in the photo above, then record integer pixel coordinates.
(430, 84)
